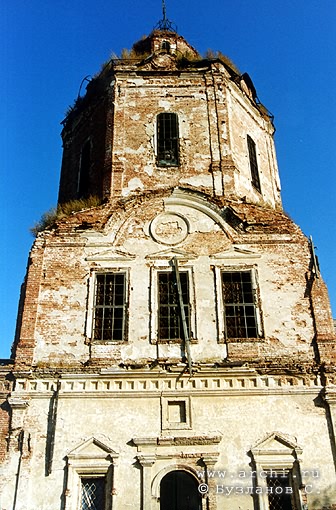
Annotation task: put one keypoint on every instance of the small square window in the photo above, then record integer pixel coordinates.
(176, 413)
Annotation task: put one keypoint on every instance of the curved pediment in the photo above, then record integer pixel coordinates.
(199, 202)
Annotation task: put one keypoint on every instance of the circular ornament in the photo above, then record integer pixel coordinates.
(169, 228)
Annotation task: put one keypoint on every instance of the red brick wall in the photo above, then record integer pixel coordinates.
(325, 332)
(97, 129)
(5, 387)
(23, 348)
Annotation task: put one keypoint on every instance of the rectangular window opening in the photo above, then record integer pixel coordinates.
(93, 493)
(109, 307)
(169, 315)
(239, 308)
(279, 492)
(167, 139)
(253, 163)
(177, 412)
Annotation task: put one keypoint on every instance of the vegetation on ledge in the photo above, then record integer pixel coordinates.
(49, 218)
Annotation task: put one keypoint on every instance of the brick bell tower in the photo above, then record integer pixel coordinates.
(180, 329)
(124, 135)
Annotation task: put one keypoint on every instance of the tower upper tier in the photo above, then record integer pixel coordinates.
(162, 116)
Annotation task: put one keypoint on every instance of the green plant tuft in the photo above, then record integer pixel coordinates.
(132, 54)
(49, 218)
(211, 54)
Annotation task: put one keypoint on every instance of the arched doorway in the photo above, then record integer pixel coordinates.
(179, 491)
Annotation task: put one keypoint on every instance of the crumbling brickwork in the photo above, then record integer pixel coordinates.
(4, 427)
(271, 243)
(214, 105)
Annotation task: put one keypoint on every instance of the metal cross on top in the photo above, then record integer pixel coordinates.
(165, 23)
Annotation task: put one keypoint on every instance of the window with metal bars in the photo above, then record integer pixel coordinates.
(93, 493)
(279, 497)
(109, 314)
(253, 163)
(239, 305)
(169, 314)
(167, 139)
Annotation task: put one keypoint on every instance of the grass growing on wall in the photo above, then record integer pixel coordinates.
(49, 218)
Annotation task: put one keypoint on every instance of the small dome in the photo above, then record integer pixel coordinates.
(164, 40)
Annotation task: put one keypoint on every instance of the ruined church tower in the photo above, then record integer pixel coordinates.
(175, 348)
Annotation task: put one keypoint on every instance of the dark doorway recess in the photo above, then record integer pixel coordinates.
(179, 491)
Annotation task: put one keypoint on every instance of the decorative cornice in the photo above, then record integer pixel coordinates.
(18, 403)
(206, 382)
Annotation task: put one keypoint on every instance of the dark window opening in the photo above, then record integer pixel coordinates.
(93, 493)
(253, 163)
(167, 139)
(165, 46)
(179, 491)
(239, 307)
(279, 489)
(84, 171)
(170, 322)
(110, 307)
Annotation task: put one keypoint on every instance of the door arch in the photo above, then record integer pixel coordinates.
(179, 491)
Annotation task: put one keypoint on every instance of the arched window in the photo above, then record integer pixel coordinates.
(179, 491)
(165, 46)
(167, 139)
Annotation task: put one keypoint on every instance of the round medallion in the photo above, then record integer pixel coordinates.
(169, 228)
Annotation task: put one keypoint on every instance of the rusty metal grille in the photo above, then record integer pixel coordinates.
(93, 494)
(279, 499)
(239, 307)
(167, 139)
(110, 307)
(170, 323)
(253, 163)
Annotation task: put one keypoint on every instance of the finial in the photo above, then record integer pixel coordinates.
(165, 23)
(164, 10)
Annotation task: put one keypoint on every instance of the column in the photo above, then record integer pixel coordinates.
(209, 503)
(146, 461)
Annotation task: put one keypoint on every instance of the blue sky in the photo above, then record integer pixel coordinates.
(48, 47)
